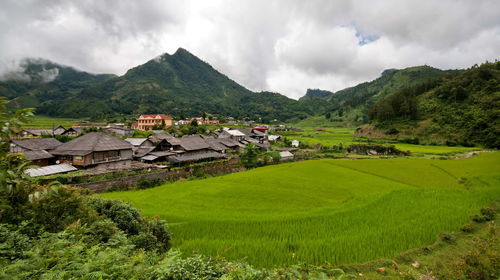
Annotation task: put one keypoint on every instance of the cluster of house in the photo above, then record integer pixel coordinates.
(103, 151)
(118, 129)
(162, 121)
(199, 121)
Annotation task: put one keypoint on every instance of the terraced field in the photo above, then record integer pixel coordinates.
(344, 135)
(49, 122)
(335, 211)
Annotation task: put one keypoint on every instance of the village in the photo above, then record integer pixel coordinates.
(97, 148)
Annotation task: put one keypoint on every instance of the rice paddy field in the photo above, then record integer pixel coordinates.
(334, 136)
(323, 211)
(49, 122)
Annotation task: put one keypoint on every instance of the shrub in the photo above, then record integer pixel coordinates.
(57, 206)
(488, 214)
(145, 183)
(121, 213)
(159, 229)
(198, 172)
(392, 131)
(13, 243)
(193, 268)
(144, 240)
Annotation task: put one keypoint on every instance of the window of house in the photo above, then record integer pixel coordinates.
(78, 158)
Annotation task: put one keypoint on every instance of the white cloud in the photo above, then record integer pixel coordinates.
(282, 46)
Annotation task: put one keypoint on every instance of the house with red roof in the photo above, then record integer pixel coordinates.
(150, 122)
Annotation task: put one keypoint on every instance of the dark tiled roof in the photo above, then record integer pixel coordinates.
(77, 130)
(157, 137)
(35, 155)
(92, 142)
(193, 143)
(215, 144)
(36, 144)
(230, 143)
(136, 142)
(140, 152)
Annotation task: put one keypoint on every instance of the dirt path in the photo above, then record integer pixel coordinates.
(473, 153)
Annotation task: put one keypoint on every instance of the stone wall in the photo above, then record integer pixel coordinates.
(217, 168)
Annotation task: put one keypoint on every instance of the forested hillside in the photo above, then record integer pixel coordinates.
(461, 108)
(180, 85)
(352, 104)
(39, 83)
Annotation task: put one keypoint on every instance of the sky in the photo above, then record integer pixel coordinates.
(283, 46)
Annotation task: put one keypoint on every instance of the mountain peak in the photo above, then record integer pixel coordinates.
(181, 51)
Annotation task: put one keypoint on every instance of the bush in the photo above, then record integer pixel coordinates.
(159, 229)
(57, 206)
(13, 244)
(198, 172)
(144, 240)
(194, 268)
(121, 213)
(488, 214)
(392, 131)
(145, 183)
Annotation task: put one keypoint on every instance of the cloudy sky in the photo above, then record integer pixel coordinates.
(284, 46)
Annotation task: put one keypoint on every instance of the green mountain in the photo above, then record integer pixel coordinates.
(460, 108)
(316, 93)
(180, 84)
(351, 105)
(39, 83)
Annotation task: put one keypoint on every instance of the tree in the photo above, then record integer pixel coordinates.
(250, 156)
(15, 185)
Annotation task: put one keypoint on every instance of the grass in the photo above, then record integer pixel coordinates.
(322, 211)
(49, 122)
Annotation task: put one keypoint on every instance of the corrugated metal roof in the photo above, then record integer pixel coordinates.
(149, 157)
(286, 154)
(49, 170)
(235, 132)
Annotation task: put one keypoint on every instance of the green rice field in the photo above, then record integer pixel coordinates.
(344, 136)
(322, 211)
(49, 122)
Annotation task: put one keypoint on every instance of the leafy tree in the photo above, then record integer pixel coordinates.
(249, 158)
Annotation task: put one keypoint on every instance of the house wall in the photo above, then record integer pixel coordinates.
(197, 152)
(16, 149)
(120, 164)
(126, 154)
(40, 162)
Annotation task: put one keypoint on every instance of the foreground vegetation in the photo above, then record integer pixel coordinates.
(324, 211)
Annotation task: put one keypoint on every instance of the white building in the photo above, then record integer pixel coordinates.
(295, 143)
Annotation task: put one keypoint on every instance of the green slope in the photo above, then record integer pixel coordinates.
(41, 84)
(460, 108)
(334, 211)
(177, 84)
(351, 105)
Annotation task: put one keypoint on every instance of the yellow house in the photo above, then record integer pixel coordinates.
(148, 122)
